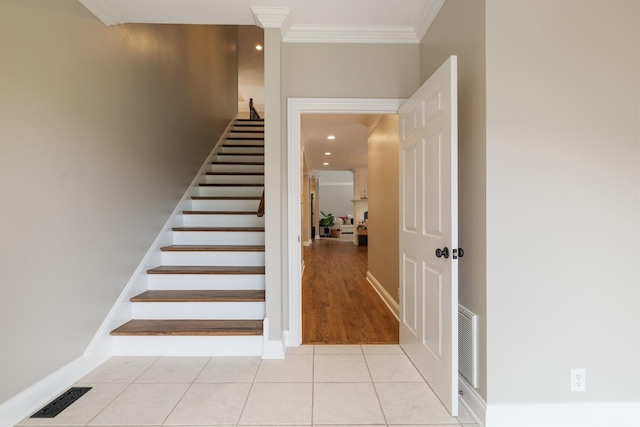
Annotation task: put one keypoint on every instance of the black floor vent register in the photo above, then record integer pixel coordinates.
(61, 403)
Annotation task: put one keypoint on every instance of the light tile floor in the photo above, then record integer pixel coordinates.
(327, 385)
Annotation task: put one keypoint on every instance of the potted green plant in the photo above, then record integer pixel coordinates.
(327, 222)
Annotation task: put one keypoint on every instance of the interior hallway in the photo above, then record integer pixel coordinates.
(373, 385)
(339, 306)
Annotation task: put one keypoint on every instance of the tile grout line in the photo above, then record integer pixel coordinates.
(313, 382)
(246, 399)
(129, 383)
(375, 389)
(185, 391)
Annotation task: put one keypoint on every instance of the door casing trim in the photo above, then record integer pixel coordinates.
(295, 108)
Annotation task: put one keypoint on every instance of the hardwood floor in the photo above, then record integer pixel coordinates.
(339, 306)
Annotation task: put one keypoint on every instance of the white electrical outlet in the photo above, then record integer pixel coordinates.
(578, 379)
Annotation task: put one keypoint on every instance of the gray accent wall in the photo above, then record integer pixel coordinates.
(101, 131)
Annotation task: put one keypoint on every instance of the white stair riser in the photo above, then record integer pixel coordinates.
(187, 346)
(239, 159)
(252, 149)
(218, 238)
(225, 205)
(231, 191)
(213, 258)
(214, 167)
(199, 310)
(203, 282)
(223, 220)
(234, 179)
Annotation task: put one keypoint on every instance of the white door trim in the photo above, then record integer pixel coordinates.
(295, 108)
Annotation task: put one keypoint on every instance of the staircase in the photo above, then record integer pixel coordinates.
(207, 297)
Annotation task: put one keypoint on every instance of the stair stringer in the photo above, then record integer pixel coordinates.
(103, 345)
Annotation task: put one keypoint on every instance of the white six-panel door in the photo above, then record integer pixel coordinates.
(428, 222)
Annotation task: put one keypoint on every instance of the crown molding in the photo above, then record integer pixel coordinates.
(404, 34)
(279, 17)
(104, 12)
(270, 17)
(427, 17)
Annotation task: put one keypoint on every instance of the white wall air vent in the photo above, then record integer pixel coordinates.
(468, 345)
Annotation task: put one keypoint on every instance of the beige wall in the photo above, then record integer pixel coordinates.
(349, 70)
(383, 185)
(563, 199)
(101, 130)
(459, 30)
(250, 69)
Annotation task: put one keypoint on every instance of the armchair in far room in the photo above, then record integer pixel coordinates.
(344, 223)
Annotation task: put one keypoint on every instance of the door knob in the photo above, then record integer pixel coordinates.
(442, 252)
(458, 253)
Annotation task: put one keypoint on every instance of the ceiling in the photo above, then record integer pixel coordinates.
(348, 149)
(363, 21)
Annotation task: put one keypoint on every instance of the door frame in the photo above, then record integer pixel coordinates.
(293, 259)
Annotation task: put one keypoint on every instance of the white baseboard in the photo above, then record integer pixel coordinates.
(307, 242)
(38, 395)
(272, 349)
(388, 299)
(290, 341)
(564, 415)
(472, 401)
(548, 415)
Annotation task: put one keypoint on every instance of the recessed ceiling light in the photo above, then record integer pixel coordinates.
(258, 47)
(331, 137)
(327, 154)
(326, 164)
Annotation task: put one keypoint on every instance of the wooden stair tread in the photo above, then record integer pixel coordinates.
(219, 212)
(190, 327)
(200, 296)
(206, 269)
(225, 197)
(230, 229)
(240, 154)
(235, 173)
(246, 131)
(245, 138)
(213, 248)
(238, 163)
(230, 184)
(243, 146)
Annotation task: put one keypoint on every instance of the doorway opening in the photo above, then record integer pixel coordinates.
(297, 107)
(350, 281)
